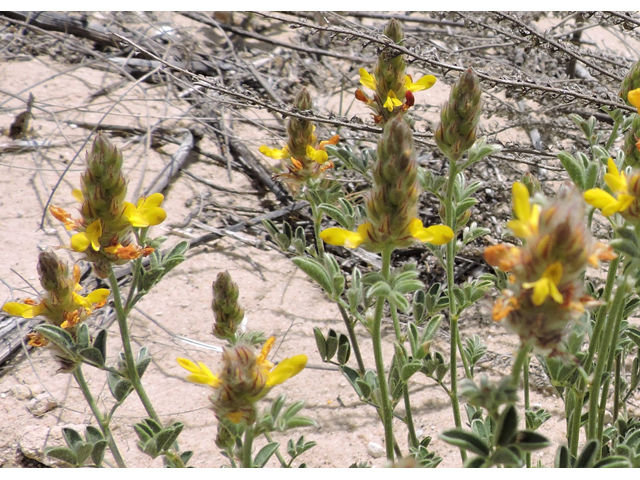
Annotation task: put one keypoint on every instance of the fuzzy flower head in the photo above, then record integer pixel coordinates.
(243, 380)
(61, 305)
(392, 87)
(303, 157)
(104, 231)
(392, 203)
(545, 290)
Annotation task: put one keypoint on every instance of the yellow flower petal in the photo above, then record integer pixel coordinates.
(424, 83)
(521, 205)
(367, 79)
(318, 156)
(436, 234)
(99, 295)
(616, 181)
(634, 98)
(81, 241)
(23, 310)
(200, 373)
(147, 213)
(274, 152)
(286, 369)
(77, 194)
(345, 238)
(392, 101)
(547, 285)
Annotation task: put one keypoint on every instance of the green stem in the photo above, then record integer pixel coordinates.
(576, 419)
(527, 404)
(521, 360)
(594, 344)
(413, 437)
(376, 337)
(612, 136)
(104, 424)
(453, 315)
(281, 459)
(616, 389)
(132, 371)
(247, 446)
(317, 226)
(352, 337)
(612, 318)
(467, 369)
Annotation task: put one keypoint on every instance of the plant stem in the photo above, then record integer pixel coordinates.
(413, 437)
(616, 389)
(527, 405)
(247, 446)
(132, 371)
(104, 424)
(453, 315)
(376, 336)
(573, 435)
(612, 318)
(352, 337)
(521, 360)
(281, 459)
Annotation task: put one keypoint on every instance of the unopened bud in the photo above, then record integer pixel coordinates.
(456, 132)
(631, 138)
(392, 202)
(394, 31)
(630, 82)
(54, 274)
(532, 183)
(228, 313)
(303, 100)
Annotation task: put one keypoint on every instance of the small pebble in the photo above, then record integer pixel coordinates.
(375, 450)
(21, 392)
(41, 404)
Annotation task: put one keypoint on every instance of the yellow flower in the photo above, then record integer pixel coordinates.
(318, 156)
(367, 79)
(275, 153)
(392, 101)
(547, 285)
(527, 217)
(148, 211)
(98, 296)
(436, 234)
(287, 368)
(424, 83)
(29, 309)
(634, 98)
(81, 241)
(200, 373)
(617, 182)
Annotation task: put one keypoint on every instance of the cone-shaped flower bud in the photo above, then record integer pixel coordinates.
(545, 290)
(392, 202)
(228, 313)
(303, 156)
(243, 380)
(630, 82)
(631, 143)
(456, 132)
